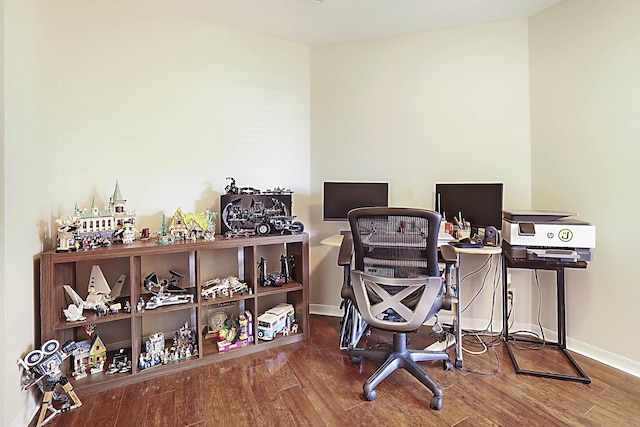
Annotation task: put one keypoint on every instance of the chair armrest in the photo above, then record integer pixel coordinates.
(344, 260)
(346, 250)
(448, 253)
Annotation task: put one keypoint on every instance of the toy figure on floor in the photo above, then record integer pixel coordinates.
(42, 367)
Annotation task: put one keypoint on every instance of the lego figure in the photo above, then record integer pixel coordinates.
(42, 367)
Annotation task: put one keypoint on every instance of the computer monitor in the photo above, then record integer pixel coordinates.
(341, 197)
(478, 203)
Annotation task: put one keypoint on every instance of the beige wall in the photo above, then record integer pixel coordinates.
(585, 87)
(440, 106)
(30, 142)
(169, 106)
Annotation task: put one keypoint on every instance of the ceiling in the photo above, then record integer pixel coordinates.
(315, 22)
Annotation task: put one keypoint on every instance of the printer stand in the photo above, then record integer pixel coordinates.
(558, 266)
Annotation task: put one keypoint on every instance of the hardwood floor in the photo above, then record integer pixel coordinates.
(314, 383)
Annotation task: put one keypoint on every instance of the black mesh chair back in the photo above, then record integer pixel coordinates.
(395, 242)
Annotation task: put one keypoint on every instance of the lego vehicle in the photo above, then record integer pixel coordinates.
(223, 287)
(277, 278)
(275, 320)
(100, 298)
(165, 291)
(246, 209)
(232, 188)
(281, 224)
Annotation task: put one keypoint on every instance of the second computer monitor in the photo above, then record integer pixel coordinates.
(478, 203)
(341, 197)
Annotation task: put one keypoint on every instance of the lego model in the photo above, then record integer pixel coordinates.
(185, 226)
(120, 363)
(223, 287)
(231, 188)
(42, 367)
(279, 319)
(260, 218)
(164, 237)
(127, 233)
(89, 355)
(156, 353)
(165, 291)
(91, 228)
(277, 279)
(216, 322)
(246, 210)
(101, 298)
(236, 333)
(240, 232)
(184, 346)
(228, 332)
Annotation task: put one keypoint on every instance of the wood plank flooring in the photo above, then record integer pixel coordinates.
(313, 383)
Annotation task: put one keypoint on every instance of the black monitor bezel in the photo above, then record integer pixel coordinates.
(371, 194)
(472, 197)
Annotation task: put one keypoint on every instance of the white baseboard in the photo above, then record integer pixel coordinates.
(592, 352)
(611, 359)
(608, 358)
(325, 310)
(28, 411)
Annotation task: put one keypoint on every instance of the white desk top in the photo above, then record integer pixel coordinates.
(336, 240)
(485, 250)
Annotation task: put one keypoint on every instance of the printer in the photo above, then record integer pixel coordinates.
(547, 236)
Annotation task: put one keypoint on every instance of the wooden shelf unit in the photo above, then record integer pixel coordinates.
(197, 262)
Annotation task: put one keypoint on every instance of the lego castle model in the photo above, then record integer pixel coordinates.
(90, 228)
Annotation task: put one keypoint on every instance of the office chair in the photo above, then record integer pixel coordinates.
(396, 286)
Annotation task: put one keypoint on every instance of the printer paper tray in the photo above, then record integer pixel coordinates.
(526, 252)
(564, 255)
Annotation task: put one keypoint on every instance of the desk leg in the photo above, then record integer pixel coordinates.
(505, 300)
(456, 322)
(562, 322)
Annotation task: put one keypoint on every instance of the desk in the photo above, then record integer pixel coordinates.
(558, 267)
(335, 240)
(353, 328)
(487, 251)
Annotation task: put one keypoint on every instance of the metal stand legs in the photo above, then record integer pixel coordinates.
(558, 267)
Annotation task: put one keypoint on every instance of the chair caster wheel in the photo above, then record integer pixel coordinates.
(436, 402)
(447, 365)
(370, 395)
(355, 360)
(459, 364)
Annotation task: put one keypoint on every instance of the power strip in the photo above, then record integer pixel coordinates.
(442, 345)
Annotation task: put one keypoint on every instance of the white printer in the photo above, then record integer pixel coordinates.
(547, 235)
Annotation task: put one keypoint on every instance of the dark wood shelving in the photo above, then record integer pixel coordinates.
(90, 318)
(57, 269)
(286, 287)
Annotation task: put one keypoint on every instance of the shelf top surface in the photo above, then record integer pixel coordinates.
(152, 247)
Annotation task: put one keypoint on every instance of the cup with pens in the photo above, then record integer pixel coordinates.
(462, 229)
